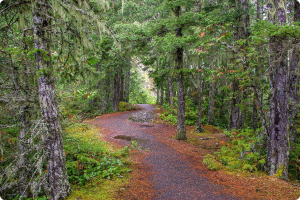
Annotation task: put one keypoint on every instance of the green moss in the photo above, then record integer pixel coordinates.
(280, 171)
(180, 136)
(99, 189)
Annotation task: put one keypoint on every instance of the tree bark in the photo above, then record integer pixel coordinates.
(122, 85)
(294, 79)
(107, 92)
(199, 128)
(243, 112)
(278, 151)
(57, 173)
(116, 91)
(210, 117)
(171, 92)
(157, 95)
(127, 85)
(99, 81)
(181, 130)
(161, 94)
(254, 114)
(234, 121)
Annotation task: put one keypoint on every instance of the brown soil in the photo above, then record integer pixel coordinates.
(155, 178)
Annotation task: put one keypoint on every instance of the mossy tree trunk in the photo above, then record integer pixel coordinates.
(278, 151)
(56, 166)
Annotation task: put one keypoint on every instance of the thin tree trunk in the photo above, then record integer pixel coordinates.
(167, 95)
(116, 91)
(157, 96)
(24, 127)
(24, 122)
(57, 173)
(107, 93)
(171, 93)
(234, 120)
(99, 81)
(161, 94)
(254, 114)
(199, 128)
(127, 85)
(210, 117)
(122, 86)
(243, 112)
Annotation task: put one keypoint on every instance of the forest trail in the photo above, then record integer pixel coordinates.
(171, 174)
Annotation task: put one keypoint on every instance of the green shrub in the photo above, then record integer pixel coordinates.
(242, 152)
(211, 162)
(87, 157)
(124, 106)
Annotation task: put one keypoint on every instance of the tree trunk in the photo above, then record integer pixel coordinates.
(278, 151)
(99, 81)
(294, 80)
(161, 94)
(234, 120)
(122, 86)
(254, 114)
(199, 128)
(167, 95)
(107, 93)
(116, 91)
(24, 123)
(210, 117)
(157, 96)
(181, 131)
(57, 173)
(243, 112)
(171, 91)
(127, 85)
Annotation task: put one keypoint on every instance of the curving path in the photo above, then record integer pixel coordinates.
(172, 176)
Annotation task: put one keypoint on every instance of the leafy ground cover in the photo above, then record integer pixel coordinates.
(96, 169)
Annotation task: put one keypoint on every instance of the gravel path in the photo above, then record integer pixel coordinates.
(172, 176)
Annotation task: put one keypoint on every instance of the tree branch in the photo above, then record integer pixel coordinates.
(13, 5)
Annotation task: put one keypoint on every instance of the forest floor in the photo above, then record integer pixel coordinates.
(173, 169)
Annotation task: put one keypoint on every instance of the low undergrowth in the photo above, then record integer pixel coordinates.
(246, 150)
(96, 169)
(90, 161)
(170, 114)
(124, 106)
